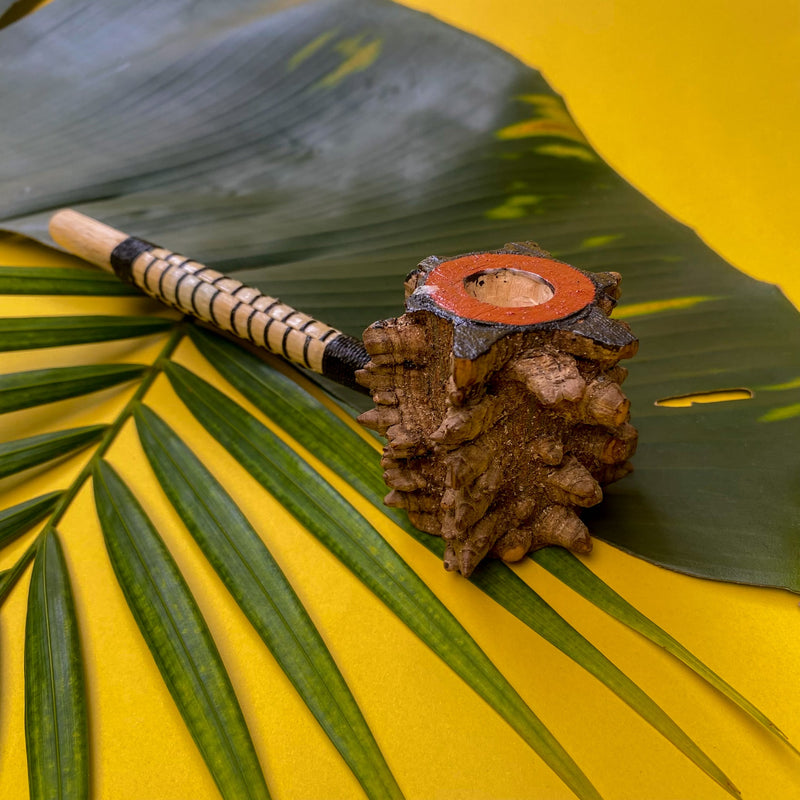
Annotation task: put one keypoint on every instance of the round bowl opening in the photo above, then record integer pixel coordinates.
(508, 288)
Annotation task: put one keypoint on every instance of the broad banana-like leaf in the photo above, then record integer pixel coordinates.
(323, 149)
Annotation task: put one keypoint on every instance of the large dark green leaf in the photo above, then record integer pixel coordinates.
(323, 149)
(21, 454)
(326, 514)
(266, 597)
(38, 386)
(28, 333)
(56, 728)
(178, 638)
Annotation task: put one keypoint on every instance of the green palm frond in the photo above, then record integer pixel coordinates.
(266, 597)
(182, 646)
(39, 386)
(26, 333)
(176, 634)
(20, 518)
(22, 454)
(56, 727)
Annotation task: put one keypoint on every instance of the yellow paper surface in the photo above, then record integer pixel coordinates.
(696, 104)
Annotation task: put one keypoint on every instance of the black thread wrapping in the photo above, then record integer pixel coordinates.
(342, 358)
(125, 253)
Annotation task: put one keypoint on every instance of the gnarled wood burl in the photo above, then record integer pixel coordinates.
(499, 394)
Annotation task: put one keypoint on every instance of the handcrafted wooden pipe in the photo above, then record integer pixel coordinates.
(498, 390)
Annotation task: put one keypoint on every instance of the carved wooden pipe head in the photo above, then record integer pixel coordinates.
(498, 390)
(499, 394)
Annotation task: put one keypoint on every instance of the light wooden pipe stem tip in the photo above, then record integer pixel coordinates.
(85, 237)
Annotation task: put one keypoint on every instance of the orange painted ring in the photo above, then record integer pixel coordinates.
(572, 290)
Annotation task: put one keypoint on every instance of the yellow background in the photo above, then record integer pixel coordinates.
(697, 105)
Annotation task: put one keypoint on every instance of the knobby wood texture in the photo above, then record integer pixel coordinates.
(498, 434)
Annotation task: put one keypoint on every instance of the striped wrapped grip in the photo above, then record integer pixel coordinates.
(215, 298)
